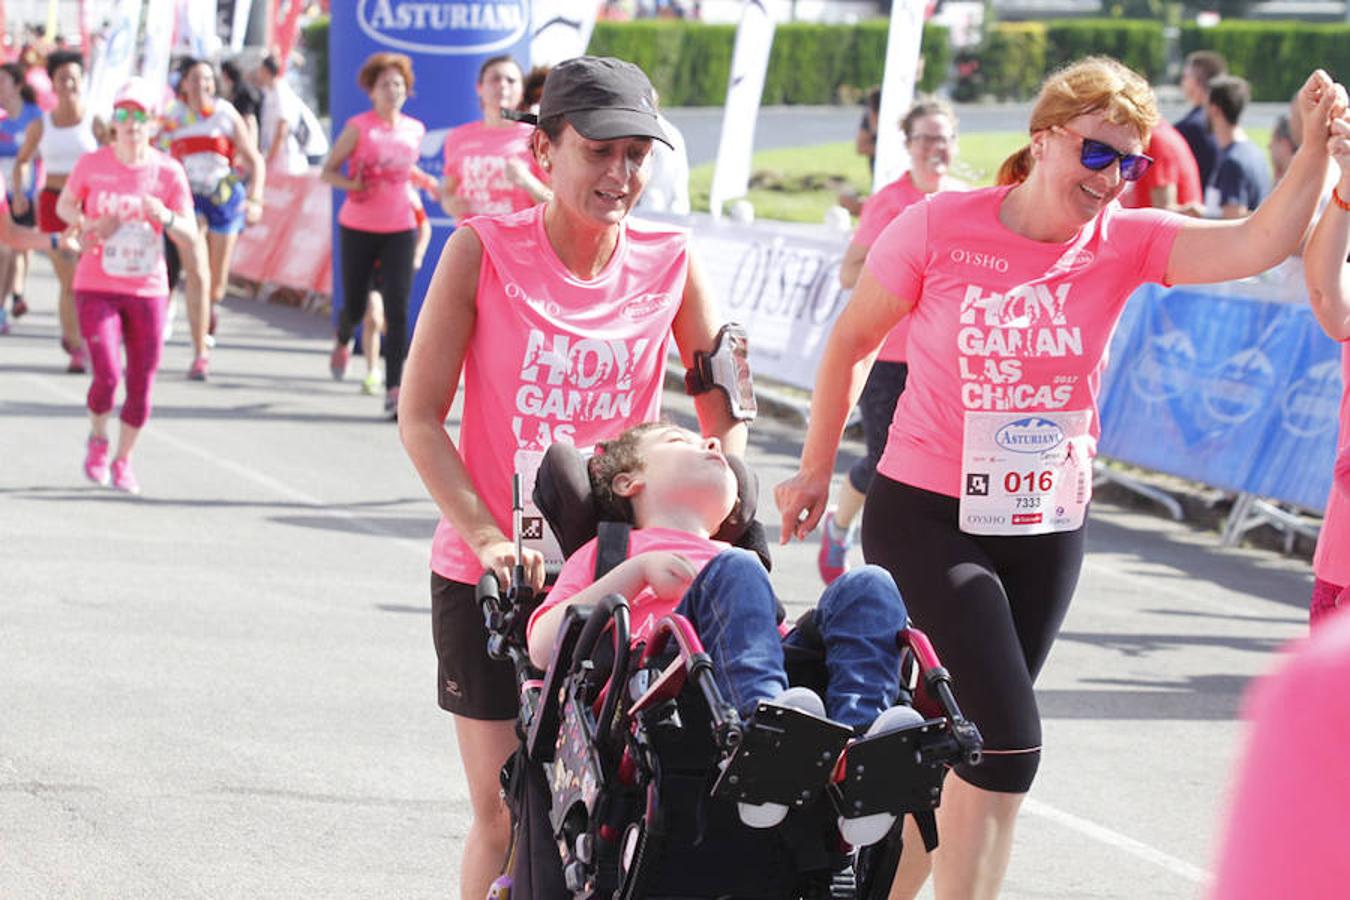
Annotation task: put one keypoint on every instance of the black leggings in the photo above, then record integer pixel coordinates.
(992, 606)
(394, 252)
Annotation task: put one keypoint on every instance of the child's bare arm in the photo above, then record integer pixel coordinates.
(667, 574)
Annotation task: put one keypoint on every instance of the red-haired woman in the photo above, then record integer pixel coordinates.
(377, 221)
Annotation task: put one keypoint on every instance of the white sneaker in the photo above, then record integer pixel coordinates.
(767, 815)
(866, 830)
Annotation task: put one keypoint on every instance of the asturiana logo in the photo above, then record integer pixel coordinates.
(1030, 435)
(449, 29)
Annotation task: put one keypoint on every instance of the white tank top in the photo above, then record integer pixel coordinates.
(60, 147)
(204, 144)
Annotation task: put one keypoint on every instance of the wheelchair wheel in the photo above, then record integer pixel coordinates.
(639, 855)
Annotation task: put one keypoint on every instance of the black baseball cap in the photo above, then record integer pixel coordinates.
(603, 99)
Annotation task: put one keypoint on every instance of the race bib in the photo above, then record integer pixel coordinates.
(134, 250)
(1025, 473)
(204, 172)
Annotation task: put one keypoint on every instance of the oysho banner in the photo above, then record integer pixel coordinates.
(781, 281)
(749, 63)
(447, 42)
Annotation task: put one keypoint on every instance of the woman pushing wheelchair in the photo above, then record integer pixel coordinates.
(557, 317)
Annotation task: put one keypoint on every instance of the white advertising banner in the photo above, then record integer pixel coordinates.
(781, 282)
(897, 89)
(749, 63)
(160, 16)
(116, 59)
(560, 29)
(197, 24)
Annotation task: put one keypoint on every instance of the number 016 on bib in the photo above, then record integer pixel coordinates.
(1025, 473)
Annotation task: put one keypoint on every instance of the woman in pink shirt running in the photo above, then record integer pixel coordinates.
(122, 199)
(930, 139)
(979, 501)
(1328, 275)
(377, 222)
(558, 318)
(489, 167)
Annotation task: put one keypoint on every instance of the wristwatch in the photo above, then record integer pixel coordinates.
(55, 240)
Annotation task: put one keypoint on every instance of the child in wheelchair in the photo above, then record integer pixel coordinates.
(676, 488)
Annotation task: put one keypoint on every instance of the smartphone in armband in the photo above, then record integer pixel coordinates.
(727, 368)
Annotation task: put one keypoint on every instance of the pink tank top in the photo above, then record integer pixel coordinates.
(557, 358)
(1003, 323)
(384, 158)
(1331, 562)
(476, 156)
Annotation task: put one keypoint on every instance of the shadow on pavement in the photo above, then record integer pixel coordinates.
(1198, 698)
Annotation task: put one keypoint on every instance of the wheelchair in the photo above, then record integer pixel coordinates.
(632, 764)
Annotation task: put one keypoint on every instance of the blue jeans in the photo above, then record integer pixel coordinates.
(732, 607)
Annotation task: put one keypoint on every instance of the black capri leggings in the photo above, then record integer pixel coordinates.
(992, 606)
(885, 384)
(394, 251)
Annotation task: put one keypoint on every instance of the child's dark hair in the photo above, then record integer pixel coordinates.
(612, 459)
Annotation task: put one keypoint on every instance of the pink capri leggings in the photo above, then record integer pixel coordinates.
(109, 323)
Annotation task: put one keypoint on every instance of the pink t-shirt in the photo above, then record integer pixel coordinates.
(383, 159)
(131, 260)
(578, 573)
(554, 357)
(1331, 562)
(1286, 823)
(476, 156)
(1002, 322)
(878, 212)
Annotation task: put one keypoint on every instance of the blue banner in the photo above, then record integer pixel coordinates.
(447, 42)
(1238, 393)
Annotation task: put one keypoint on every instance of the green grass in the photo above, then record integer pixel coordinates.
(799, 184)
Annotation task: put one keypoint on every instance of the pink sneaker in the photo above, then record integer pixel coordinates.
(198, 370)
(832, 560)
(337, 361)
(78, 358)
(123, 479)
(96, 461)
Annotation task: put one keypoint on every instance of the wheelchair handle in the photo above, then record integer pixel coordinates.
(487, 589)
(612, 608)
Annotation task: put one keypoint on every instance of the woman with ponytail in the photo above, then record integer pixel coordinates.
(978, 504)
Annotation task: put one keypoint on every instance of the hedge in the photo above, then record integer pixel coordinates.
(690, 62)
(315, 40)
(1138, 44)
(1015, 57)
(1011, 61)
(1275, 57)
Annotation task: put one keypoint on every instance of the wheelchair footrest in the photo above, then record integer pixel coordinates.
(785, 756)
(893, 772)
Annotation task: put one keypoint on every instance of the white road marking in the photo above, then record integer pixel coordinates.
(1117, 840)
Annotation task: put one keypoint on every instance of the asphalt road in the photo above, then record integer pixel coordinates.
(225, 687)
